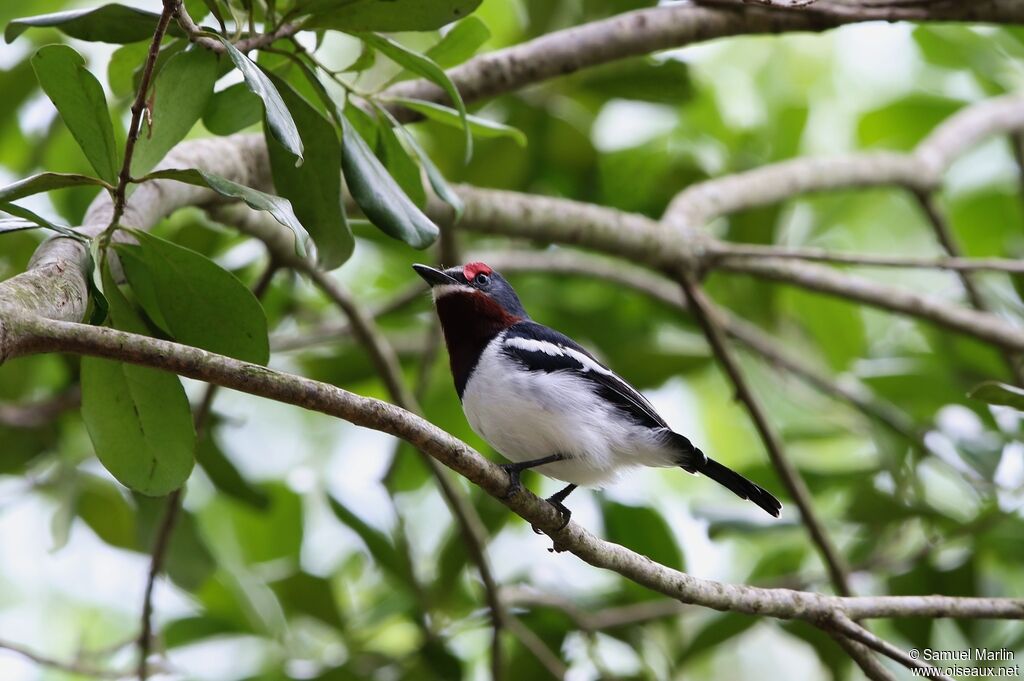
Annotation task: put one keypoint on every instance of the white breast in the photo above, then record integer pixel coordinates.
(531, 414)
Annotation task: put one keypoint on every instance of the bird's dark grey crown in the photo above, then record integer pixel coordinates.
(482, 278)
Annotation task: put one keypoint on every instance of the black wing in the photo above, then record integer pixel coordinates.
(540, 348)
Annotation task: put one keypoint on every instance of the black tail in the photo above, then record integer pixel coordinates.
(692, 460)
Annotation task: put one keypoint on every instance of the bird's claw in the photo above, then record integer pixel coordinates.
(514, 483)
(564, 512)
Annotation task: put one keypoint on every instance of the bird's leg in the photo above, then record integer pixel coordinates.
(556, 501)
(515, 469)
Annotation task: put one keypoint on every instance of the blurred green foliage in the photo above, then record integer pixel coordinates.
(317, 553)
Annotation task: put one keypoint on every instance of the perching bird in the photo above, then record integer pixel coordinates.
(544, 402)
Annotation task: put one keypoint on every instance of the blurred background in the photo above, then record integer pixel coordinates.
(268, 580)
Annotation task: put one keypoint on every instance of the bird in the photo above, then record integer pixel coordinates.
(544, 402)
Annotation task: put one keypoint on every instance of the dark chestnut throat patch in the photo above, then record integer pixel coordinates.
(470, 320)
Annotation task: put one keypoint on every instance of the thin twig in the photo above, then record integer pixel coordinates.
(946, 239)
(173, 506)
(847, 627)
(733, 250)
(253, 42)
(160, 544)
(139, 106)
(863, 656)
(700, 308)
(67, 667)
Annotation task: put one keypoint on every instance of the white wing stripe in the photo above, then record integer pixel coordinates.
(534, 345)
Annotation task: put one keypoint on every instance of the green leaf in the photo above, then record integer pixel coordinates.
(203, 304)
(460, 43)
(423, 66)
(122, 67)
(306, 594)
(181, 90)
(378, 543)
(138, 418)
(232, 109)
(434, 176)
(44, 182)
(79, 99)
(106, 24)
(106, 511)
(904, 122)
(720, 629)
(379, 196)
(280, 208)
(264, 535)
(481, 127)
(400, 165)
(24, 215)
(314, 188)
(16, 225)
(1002, 394)
(643, 530)
(278, 118)
(384, 15)
(225, 476)
(642, 79)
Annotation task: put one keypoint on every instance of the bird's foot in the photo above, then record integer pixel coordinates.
(562, 511)
(513, 470)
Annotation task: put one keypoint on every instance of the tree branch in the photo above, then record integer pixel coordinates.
(644, 31)
(920, 170)
(847, 627)
(956, 264)
(703, 312)
(32, 334)
(864, 657)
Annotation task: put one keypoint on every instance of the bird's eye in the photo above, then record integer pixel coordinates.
(481, 279)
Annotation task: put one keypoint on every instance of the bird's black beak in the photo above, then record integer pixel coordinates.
(434, 277)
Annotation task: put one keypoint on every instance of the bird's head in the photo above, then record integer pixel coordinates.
(472, 294)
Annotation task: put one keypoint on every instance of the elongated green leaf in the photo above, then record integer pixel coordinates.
(314, 188)
(203, 304)
(643, 530)
(182, 89)
(44, 182)
(138, 418)
(379, 196)
(232, 109)
(401, 166)
(1002, 394)
(79, 99)
(434, 176)
(25, 215)
(121, 68)
(378, 543)
(425, 67)
(280, 208)
(280, 120)
(104, 508)
(385, 15)
(481, 127)
(16, 225)
(225, 476)
(306, 594)
(106, 24)
(460, 43)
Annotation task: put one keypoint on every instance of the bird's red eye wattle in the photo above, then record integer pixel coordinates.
(474, 268)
